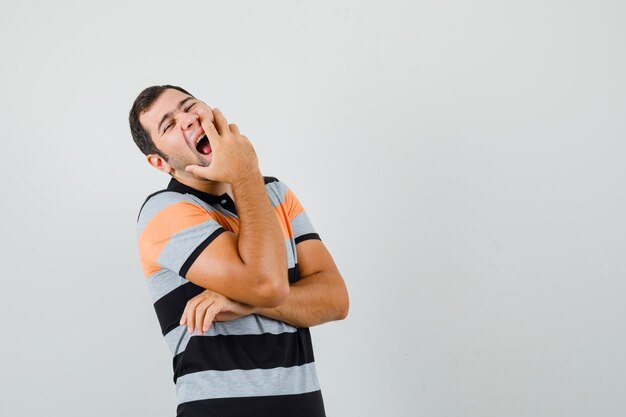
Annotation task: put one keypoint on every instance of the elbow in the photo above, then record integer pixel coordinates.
(343, 306)
(342, 309)
(273, 292)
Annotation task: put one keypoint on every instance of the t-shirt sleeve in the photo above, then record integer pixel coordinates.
(300, 223)
(172, 232)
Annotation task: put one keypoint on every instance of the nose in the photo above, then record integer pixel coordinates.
(187, 120)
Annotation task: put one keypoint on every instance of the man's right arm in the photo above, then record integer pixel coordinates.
(250, 267)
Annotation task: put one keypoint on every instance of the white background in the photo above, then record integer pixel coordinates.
(464, 162)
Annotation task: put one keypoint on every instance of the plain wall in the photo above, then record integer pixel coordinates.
(464, 162)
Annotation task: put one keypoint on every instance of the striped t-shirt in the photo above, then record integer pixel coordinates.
(253, 365)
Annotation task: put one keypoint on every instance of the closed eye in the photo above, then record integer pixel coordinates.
(171, 123)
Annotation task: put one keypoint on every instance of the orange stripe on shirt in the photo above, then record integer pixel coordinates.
(282, 211)
(166, 223)
(293, 205)
(233, 224)
(227, 222)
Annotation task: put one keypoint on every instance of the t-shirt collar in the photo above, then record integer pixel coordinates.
(176, 185)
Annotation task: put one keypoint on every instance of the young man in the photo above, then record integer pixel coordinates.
(236, 271)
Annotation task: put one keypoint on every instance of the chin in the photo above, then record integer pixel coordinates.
(204, 161)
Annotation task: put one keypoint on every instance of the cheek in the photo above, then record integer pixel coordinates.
(173, 144)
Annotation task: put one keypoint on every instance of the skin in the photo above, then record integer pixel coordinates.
(319, 296)
(174, 137)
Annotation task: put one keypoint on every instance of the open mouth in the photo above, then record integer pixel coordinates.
(203, 146)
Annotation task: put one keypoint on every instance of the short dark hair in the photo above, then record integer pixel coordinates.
(142, 103)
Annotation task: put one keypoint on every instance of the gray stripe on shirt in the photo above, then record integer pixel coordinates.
(247, 325)
(163, 282)
(301, 225)
(276, 191)
(182, 244)
(247, 383)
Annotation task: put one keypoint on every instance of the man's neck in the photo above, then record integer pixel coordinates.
(207, 186)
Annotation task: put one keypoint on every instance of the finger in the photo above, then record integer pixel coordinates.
(201, 312)
(234, 129)
(200, 171)
(206, 121)
(220, 121)
(190, 311)
(210, 316)
(197, 170)
(188, 307)
(204, 108)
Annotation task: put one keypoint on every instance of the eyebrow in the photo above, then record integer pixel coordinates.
(170, 114)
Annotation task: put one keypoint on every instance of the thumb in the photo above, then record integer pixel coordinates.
(192, 168)
(198, 170)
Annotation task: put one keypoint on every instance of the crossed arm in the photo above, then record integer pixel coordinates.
(243, 268)
(319, 296)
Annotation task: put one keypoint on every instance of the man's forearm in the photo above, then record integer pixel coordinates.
(260, 242)
(313, 300)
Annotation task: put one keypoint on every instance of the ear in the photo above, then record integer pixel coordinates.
(159, 163)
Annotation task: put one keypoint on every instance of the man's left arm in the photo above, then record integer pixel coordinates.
(319, 296)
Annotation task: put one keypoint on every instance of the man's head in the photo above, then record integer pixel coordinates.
(165, 125)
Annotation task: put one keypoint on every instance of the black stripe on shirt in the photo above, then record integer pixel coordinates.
(307, 236)
(251, 351)
(170, 307)
(194, 255)
(292, 274)
(310, 404)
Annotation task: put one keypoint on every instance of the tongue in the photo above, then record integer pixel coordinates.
(205, 147)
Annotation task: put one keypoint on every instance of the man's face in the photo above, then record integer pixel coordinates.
(173, 123)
